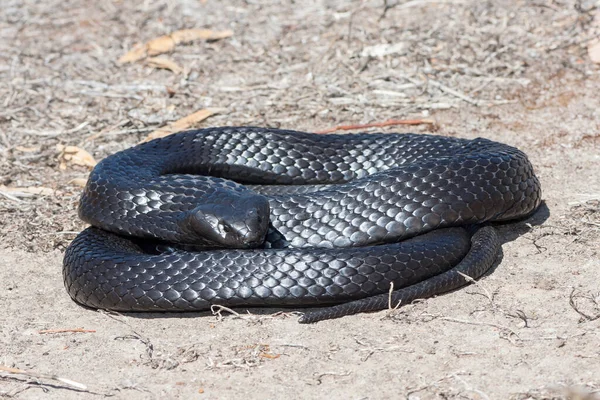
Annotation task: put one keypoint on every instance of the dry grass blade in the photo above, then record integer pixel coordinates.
(391, 122)
(183, 123)
(38, 375)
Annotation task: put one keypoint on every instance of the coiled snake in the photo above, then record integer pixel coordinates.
(310, 220)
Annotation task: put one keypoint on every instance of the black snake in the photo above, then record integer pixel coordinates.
(254, 216)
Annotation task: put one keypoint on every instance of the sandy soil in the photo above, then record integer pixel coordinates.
(513, 71)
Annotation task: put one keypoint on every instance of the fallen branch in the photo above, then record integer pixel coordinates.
(390, 122)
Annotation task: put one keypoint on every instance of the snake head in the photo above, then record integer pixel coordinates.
(234, 221)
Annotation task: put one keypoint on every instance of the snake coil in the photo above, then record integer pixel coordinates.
(243, 216)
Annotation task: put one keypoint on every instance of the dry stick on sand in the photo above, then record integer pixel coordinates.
(390, 122)
(36, 375)
(75, 330)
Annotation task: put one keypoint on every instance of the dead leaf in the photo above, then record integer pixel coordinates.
(160, 45)
(183, 123)
(166, 43)
(28, 191)
(137, 53)
(164, 63)
(72, 155)
(594, 52)
(81, 182)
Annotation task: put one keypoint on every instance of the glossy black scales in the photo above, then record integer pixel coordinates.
(310, 219)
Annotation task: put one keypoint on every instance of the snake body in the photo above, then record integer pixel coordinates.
(243, 216)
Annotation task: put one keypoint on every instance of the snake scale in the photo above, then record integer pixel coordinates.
(246, 216)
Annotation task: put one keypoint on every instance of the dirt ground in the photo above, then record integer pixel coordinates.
(509, 70)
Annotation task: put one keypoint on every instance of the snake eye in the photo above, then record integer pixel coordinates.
(226, 228)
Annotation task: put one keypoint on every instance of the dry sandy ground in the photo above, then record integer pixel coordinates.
(513, 71)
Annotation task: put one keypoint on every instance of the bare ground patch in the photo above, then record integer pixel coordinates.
(513, 71)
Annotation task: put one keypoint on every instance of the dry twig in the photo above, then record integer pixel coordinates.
(391, 122)
(75, 330)
(577, 309)
(70, 384)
